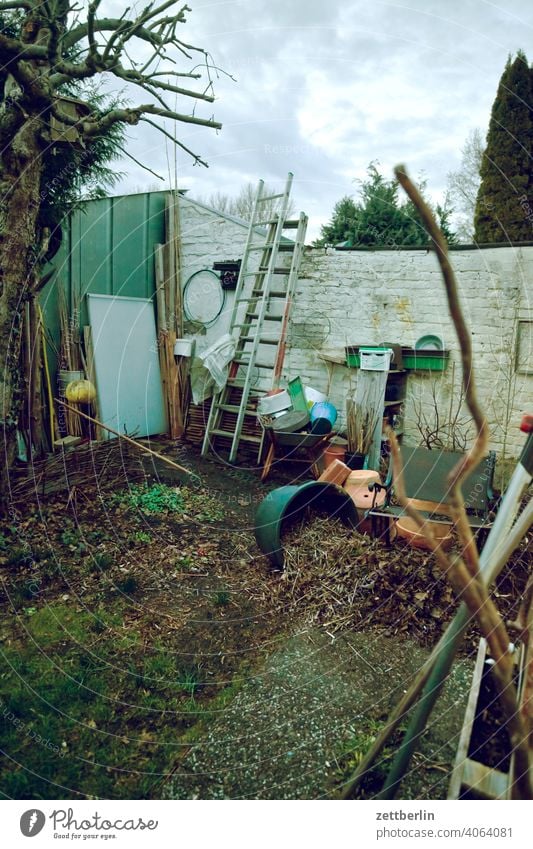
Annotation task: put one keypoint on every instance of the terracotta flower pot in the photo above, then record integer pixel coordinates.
(408, 529)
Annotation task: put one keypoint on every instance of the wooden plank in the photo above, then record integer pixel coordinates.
(91, 375)
(171, 259)
(159, 260)
(468, 722)
(485, 781)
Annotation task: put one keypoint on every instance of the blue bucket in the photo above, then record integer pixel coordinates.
(324, 410)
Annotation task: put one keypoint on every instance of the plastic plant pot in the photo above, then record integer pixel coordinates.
(288, 503)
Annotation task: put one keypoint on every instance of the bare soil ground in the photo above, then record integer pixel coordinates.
(147, 650)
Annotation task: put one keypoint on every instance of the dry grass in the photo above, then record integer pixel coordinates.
(346, 581)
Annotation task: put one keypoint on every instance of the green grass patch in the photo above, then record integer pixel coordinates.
(86, 709)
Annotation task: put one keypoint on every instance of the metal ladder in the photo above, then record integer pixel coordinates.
(256, 323)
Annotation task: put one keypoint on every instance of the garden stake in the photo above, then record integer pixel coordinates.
(131, 441)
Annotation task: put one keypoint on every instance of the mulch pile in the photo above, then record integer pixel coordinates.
(344, 580)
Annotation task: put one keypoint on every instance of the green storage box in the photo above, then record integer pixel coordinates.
(352, 357)
(413, 359)
(425, 360)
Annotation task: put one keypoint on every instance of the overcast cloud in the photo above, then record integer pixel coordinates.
(323, 88)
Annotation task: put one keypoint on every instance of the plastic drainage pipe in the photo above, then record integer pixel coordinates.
(491, 561)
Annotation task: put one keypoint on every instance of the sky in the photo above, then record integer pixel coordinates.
(324, 88)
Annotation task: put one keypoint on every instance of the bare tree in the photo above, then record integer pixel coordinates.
(440, 428)
(463, 185)
(47, 49)
(242, 205)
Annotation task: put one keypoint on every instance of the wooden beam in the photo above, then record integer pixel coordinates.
(127, 439)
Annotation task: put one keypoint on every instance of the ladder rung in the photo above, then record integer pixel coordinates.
(270, 197)
(284, 246)
(270, 295)
(247, 437)
(287, 225)
(234, 408)
(256, 365)
(252, 315)
(261, 341)
(257, 297)
(261, 271)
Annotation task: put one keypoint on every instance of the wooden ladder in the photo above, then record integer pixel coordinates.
(259, 321)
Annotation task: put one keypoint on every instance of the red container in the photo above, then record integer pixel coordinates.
(334, 451)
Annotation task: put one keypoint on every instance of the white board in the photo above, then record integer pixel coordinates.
(126, 362)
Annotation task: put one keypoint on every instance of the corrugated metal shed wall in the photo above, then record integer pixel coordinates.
(107, 249)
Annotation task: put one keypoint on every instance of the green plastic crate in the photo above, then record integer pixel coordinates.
(297, 394)
(412, 359)
(352, 357)
(425, 360)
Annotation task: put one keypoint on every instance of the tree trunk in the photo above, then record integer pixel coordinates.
(20, 177)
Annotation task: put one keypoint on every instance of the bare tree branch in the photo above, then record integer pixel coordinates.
(93, 47)
(197, 159)
(141, 164)
(14, 48)
(132, 76)
(105, 25)
(133, 115)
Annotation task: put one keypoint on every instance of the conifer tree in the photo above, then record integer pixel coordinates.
(379, 218)
(503, 212)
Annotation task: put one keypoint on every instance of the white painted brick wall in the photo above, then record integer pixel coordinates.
(357, 297)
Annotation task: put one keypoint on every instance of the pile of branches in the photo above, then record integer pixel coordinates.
(343, 580)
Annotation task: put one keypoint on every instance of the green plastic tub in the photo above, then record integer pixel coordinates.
(425, 360)
(413, 359)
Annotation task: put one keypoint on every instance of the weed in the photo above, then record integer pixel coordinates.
(352, 752)
(222, 598)
(157, 498)
(101, 561)
(184, 562)
(70, 537)
(96, 536)
(142, 536)
(19, 557)
(189, 681)
(127, 585)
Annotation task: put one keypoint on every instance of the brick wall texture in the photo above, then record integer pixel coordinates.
(368, 297)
